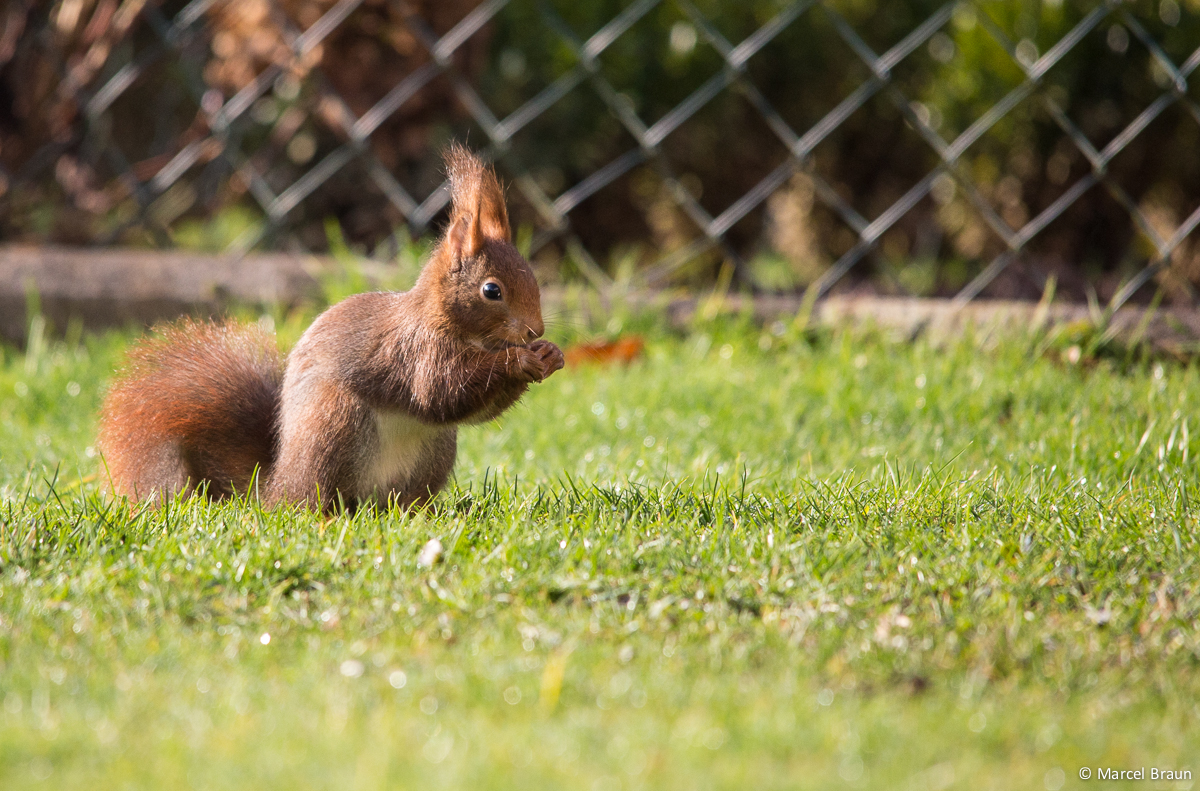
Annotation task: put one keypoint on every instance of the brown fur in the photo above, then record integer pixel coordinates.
(372, 394)
(196, 403)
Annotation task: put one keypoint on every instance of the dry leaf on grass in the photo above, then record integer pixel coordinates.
(622, 350)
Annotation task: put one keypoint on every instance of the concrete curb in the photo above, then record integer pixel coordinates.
(112, 288)
(105, 288)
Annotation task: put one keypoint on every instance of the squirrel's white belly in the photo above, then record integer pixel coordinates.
(399, 452)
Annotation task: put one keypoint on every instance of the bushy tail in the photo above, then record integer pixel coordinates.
(196, 403)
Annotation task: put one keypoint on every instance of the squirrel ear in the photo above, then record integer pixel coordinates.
(493, 215)
(477, 197)
(465, 239)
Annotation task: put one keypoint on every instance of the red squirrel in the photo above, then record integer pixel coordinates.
(368, 406)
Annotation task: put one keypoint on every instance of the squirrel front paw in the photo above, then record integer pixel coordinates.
(540, 359)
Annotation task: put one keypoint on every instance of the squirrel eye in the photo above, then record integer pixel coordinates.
(491, 290)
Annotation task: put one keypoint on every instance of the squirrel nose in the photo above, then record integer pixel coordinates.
(535, 329)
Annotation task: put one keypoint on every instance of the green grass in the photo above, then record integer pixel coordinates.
(751, 560)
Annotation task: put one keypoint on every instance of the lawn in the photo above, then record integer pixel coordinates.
(752, 559)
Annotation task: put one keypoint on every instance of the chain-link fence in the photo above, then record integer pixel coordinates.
(966, 148)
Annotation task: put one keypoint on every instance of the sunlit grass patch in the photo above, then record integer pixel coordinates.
(752, 558)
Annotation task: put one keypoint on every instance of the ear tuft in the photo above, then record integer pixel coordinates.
(464, 239)
(477, 198)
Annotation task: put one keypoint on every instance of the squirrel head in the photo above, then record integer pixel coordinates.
(487, 290)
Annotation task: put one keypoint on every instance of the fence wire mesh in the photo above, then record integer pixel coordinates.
(223, 150)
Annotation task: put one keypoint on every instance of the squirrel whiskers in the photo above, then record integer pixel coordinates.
(368, 404)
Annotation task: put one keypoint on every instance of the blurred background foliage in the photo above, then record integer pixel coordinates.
(73, 176)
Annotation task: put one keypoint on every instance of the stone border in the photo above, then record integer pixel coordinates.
(116, 287)
(105, 288)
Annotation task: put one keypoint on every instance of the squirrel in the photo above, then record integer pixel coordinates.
(368, 405)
